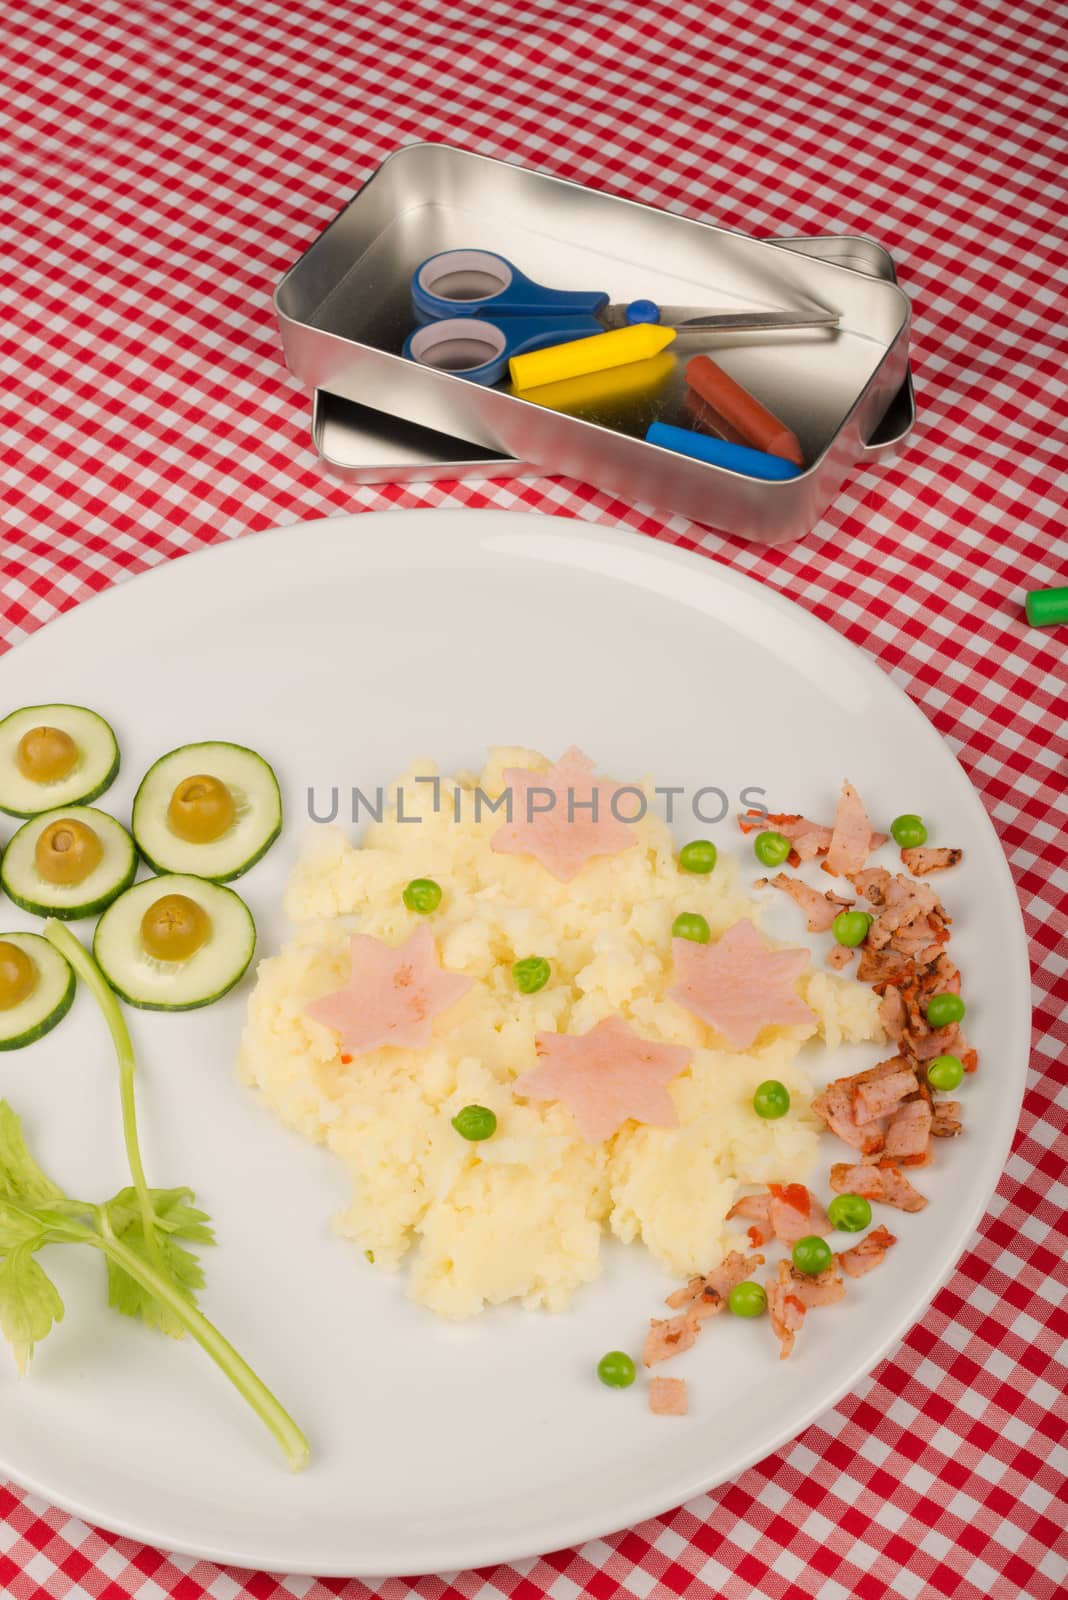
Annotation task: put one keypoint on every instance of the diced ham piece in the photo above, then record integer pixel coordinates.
(852, 839)
(667, 1397)
(922, 859)
(708, 1294)
(795, 1213)
(813, 1289)
(754, 1208)
(868, 1254)
(670, 1337)
(946, 1119)
(788, 1211)
(908, 1133)
(885, 1183)
(787, 1315)
(839, 956)
(820, 908)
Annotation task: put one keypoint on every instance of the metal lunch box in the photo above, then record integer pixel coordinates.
(344, 310)
(358, 444)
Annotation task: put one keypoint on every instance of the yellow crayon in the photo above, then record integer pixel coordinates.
(595, 354)
(618, 386)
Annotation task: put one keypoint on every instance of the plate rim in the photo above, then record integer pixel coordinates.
(579, 1527)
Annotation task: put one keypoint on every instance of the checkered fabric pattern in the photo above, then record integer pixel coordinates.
(165, 160)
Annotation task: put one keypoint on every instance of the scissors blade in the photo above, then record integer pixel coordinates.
(690, 319)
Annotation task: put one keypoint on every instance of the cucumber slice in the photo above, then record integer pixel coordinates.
(204, 976)
(95, 769)
(256, 825)
(115, 872)
(49, 1000)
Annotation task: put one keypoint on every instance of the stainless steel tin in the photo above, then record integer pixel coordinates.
(344, 312)
(358, 444)
(361, 445)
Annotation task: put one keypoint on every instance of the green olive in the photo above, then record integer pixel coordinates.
(174, 928)
(18, 975)
(67, 851)
(45, 755)
(201, 809)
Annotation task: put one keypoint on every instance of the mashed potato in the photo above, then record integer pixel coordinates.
(521, 1215)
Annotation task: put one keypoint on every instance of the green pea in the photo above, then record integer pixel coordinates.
(370, 1255)
(475, 1123)
(849, 1212)
(908, 830)
(616, 1369)
(771, 848)
(942, 1009)
(691, 925)
(531, 974)
(812, 1255)
(422, 895)
(747, 1300)
(851, 928)
(698, 856)
(945, 1072)
(771, 1099)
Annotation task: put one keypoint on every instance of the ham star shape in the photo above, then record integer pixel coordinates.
(563, 817)
(606, 1076)
(738, 985)
(392, 996)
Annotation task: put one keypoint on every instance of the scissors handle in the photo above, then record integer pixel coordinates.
(480, 348)
(458, 283)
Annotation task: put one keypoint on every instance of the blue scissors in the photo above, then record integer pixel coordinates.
(476, 310)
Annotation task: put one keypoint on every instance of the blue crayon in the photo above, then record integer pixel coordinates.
(720, 453)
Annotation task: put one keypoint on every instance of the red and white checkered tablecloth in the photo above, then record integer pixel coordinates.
(164, 160)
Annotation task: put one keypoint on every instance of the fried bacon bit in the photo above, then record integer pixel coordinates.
(835, 1106)
(787, 1315)
(853, 839)
(908, 1133)
(885, 1183)
(853, 1107)
(820, 908)
(708, 1294)
(879, 967)
(946, 1119)
(880, 1090)
(905, 993)
(922, 859)
(868, 1254)
(813, 1289)
(671, 1337)
(839, 956)
(667, 1397)
(872, 883)
(809, 839)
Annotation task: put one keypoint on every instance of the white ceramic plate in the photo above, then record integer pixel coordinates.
(341, 649)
